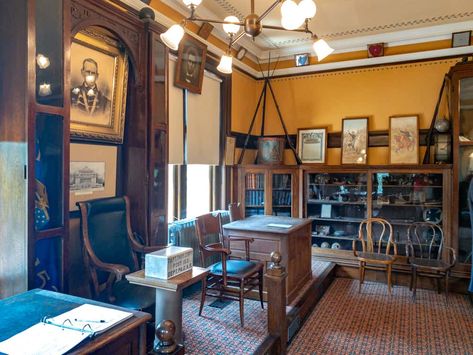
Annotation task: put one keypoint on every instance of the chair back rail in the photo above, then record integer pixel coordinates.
(235, 211)
(374, 233)
(425, 240)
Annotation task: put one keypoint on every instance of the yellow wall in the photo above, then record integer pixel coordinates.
(323, 99)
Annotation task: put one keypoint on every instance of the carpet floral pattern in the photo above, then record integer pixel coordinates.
(372, 322)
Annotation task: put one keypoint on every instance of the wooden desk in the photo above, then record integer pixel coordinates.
(293, 243)
(26, 309)
(169, 294)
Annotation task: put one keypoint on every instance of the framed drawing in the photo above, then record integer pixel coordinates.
(354, 140)
(93, 172)
(312, 144)
(404, 139)
(301, 59)
(190, 64)
(99, 77)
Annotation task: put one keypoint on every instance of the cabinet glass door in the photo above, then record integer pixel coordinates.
(282, 194)
(465, 166)
(336, 202)
(254, 194)
(403, 199)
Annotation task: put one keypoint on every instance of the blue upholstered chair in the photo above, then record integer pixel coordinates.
(111, 251)
(228, 279)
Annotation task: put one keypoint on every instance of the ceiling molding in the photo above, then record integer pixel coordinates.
(392, 59)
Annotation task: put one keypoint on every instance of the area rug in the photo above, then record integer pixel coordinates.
(218, 331)
(372, 322)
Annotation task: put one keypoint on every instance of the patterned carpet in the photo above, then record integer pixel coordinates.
(218, 331)
(346, 322)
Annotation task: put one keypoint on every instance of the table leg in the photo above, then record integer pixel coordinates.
(169, 307)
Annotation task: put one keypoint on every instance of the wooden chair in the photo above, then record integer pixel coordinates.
(375, 250)
(228, 279)
(426, 253)
(110, 252)
(235, 211)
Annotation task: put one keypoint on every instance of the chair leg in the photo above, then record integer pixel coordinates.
(414, 284)
(389, 279)
(446, 285)
(260, 286)
(437, 281)
(412, 280)
(202, 296)
(242, 303)
(362, 275)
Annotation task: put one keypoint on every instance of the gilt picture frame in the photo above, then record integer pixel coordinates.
(354, 140)
(190, 64)
(404, 140)
(312, 145)
(99, 78)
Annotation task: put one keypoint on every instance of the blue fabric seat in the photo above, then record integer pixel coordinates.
(236, 268)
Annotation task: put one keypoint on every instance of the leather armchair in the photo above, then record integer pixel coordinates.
(111, 250)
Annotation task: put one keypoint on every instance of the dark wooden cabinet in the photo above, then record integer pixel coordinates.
(461, 106)
(34, 153)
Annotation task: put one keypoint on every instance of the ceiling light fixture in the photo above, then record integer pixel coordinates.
(294, 17)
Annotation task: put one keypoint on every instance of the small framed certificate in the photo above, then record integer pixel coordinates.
(326, 211)
(461, 39)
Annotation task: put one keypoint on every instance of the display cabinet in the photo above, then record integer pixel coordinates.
(268, 190)
(338, 199)
(34, 146)
(461, 105)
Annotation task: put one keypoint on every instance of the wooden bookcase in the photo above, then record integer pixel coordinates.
(271, 190)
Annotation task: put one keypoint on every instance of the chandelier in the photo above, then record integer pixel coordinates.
(294, 17)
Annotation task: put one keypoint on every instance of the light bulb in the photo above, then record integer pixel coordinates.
(188, 3)
(231, 28)
(292, 17)
(225, 65)
(322, 49)
(42, 61)
(307, 8)
(172, 36)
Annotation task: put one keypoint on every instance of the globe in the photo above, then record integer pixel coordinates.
(442, 124)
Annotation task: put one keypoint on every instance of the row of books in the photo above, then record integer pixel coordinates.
(253, 211)
(254, 181)
(254, 198)
(282, 181)
(281, 197)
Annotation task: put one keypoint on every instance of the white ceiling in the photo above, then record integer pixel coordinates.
(347, 24)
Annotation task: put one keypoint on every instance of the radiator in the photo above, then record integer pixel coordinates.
(182, 233)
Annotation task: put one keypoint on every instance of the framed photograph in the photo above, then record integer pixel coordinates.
(461, 39)
(99, 77)
(404, 139)
(271, 150)
(190, 64)
(93, 172)
(312, 145)
(354, 140)
(301, 59)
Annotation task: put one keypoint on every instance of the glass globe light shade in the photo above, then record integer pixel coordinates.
(231, 29)
(173, 36)
(188, 3)
(288, 8)
(225, 65)
(293, 21)
(442, 124)
(322, 49)
(307, 8)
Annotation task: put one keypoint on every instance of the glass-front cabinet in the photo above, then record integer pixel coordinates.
(337, 203)
(337, 200)
(406, 198)
(268, 190)
(461, 105)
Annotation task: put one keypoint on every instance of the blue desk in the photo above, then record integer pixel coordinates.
(22, 311)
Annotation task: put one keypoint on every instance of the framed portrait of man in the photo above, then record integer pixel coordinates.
(99, 76)
(190, 64)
